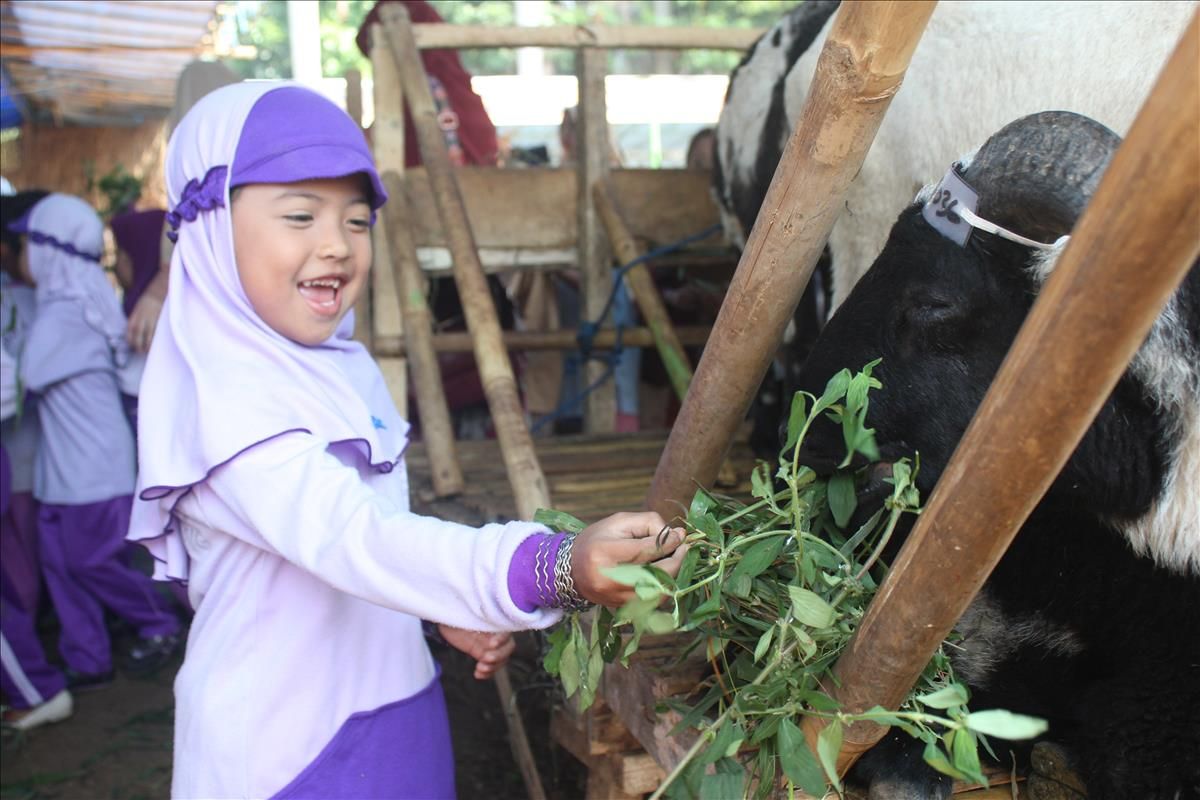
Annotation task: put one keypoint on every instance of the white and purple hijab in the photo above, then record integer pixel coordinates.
(219, 380)
(64, 239)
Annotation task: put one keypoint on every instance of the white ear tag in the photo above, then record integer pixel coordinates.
(943, 210)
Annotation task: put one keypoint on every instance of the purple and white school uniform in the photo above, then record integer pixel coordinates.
(19, 434)
(26, 678)
(84, 470)
(272, 480)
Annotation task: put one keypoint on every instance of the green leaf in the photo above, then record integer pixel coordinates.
(799, 764)
(937, 759)
(835, 390)
(707, 524)
(688, 568)
(760, 481)
(568, 669)
(558, 520)
(764, 643)
(739, 585)
(758, 557)
(660, 622)
(722, 786)
(701, 503)
(1005, 724)
(796, 419)
(841, 496)
(558, 642)
(809, 609)
(720, 743)
(953, 695)
(965, 756)
(630, 574)
(829, 744)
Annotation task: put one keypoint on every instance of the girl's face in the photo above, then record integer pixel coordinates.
(303, 252)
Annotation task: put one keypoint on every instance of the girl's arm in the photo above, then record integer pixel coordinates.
(292, 497)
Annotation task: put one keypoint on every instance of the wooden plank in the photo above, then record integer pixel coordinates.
(466, 37)
(537, 208)
(595, 257)
(1133, 246)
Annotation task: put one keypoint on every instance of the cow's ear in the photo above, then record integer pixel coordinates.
(1119, 468)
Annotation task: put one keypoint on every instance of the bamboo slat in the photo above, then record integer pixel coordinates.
(641, 285)
(460, 341)
(436, 426)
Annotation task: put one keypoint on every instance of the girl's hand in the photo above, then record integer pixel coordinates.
(490, 650)
(622, 539)
(143, 319)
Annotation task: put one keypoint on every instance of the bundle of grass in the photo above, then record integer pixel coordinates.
(771, 592)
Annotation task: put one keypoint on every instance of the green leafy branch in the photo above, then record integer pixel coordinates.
(771, 591)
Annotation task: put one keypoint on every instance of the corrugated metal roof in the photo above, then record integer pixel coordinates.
(101, 62)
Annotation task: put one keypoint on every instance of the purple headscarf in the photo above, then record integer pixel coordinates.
(219, 380)
(65, 236)
(139, 234)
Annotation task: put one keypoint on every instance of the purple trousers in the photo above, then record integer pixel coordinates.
(25, 677)
(19, 550)
(81, 549)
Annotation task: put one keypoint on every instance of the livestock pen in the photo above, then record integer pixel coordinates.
(867, 54)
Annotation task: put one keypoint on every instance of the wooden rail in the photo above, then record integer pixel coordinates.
(1134, 244)
(461, 341)
(431, 36)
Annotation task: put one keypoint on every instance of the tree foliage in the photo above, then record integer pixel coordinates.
(263, 24)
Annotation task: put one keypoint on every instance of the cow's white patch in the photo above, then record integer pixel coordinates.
(1168, 364)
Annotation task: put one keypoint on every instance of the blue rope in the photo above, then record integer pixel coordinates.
(586, 335)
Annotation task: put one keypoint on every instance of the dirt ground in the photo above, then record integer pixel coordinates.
(117, 746)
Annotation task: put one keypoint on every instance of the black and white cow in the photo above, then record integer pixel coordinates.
(1092, 618)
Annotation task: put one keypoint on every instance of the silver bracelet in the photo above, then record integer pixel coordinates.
(564, 582)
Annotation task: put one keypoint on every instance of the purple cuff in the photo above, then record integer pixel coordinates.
(531, 572)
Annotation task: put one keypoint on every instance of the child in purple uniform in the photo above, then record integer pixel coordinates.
(272, 480)
(84, 472)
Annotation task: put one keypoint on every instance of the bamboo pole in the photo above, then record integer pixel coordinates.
(436, 427)
(641, 285)
(466, 37)
(461, 342)
(387, 143)
(495, 370)
(354, 107)
(600, 405)
(1133, 246)
(859, 70)
(354, 97)
(529, 485)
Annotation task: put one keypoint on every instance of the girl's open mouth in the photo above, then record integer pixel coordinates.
(324, 295)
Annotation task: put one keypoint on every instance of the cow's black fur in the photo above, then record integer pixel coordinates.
(1117, 673)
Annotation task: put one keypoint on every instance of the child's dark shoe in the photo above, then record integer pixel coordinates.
(152, 653)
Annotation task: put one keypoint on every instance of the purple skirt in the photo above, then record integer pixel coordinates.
(400, 751)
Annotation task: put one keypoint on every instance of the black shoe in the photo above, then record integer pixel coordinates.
(152, 653)
(80, 682)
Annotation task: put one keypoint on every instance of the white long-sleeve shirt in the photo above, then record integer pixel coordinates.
(310, 577)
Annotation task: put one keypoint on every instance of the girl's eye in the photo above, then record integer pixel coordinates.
(359, 223)
(300, 218)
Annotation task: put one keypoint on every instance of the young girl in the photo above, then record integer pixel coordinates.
(272, 480)
(84, 469)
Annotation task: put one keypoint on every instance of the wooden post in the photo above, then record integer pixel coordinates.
(436, 427)
(600, 406)
(362, 309)
(388, 147)
(860, 69)
(1133, 246)
(499, 383)
(495, 370)
(431, 36)
(641, 285)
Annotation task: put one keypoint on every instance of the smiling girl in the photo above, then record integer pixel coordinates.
(273, 482)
